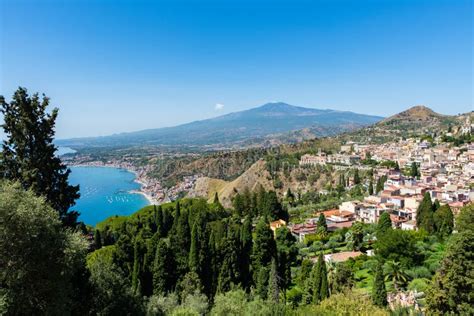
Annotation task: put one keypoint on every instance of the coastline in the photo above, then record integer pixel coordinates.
(147, 196)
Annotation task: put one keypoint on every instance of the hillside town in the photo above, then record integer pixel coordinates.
(445, 171)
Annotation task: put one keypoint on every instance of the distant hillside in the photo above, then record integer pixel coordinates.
(417, 120)
(258, 125)
(419, 114)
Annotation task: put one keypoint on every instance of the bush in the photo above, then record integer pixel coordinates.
(420, 285)
(348, 304)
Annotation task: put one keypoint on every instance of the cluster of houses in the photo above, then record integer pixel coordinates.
(446, 173)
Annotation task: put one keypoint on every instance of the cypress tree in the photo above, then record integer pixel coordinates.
(384, 224)
(230, 269)
(29, 155)
(443, 221)
(194, 262)
(316, 276)
(177, 215)
(273, 283)
(162, 269)
(424, 214)
(324, 289)
(262, 283)
(263, 248)
(380, 184)
(181, 241)
(356, 177)
(414, 172)
(379, 292)
(97, 239)
(322, 224)
(371, 187)
(216, 198)
(136, 269)
(287, 253)
(160, 226)
(246, 250)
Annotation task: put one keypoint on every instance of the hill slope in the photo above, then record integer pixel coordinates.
(267, 121)
(417, 120)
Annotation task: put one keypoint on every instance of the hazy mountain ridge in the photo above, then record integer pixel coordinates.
(418, 119)
(238, 127)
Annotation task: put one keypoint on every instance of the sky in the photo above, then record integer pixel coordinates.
(114, 66)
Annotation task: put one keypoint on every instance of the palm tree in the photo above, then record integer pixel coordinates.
(396, 274)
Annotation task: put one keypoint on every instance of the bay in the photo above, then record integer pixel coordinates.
(105, 192)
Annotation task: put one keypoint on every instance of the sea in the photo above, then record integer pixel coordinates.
(105, 192)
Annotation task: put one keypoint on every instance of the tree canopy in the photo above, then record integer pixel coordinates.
(29, 155)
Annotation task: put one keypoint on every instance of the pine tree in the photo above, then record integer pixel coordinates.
(29, 155)
(379, 292)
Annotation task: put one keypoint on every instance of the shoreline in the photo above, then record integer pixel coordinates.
(140, 191)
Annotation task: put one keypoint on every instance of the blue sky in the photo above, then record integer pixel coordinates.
(114, 66)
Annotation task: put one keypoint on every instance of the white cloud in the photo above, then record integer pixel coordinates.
(219, 106)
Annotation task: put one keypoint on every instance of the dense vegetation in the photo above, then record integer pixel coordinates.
(191, 257)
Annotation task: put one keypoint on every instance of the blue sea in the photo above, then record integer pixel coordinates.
(105, 192)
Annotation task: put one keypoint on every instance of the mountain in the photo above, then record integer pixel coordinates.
(417, 120)
(262, 123)
(418, 114)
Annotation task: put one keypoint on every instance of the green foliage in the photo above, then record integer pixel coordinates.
(384, 224)
(443, 221)
(286, 254)
(29, 155)
(264, 248)
(274, 283)
(38, 258)
(400, 246)
(453, 285)
(465, 219)
(424, 214)
(322, 224)
(419, 285)
(380, 183)
(397, 274)
(112, 292)
(343, 279)
(159, 305)
(379, 292)
(414, 172)
(163, 268)
(348, 304)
